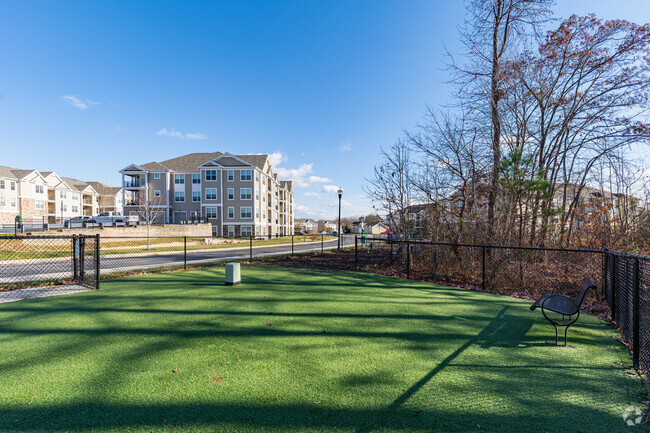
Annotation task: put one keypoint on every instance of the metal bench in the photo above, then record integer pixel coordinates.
(567, 307)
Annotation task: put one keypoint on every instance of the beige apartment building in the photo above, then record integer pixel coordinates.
(45, 196)
(239, 195)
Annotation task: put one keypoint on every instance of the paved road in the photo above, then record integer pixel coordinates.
(43, 269)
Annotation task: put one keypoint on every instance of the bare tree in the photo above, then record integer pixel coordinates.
(392, 188)
(493, 33)
(151, 211)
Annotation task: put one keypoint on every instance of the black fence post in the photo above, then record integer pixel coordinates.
(604, 283)
(356, 252)
(75, 271)
(408, 260)
(635, 313)
(292, 245)
(322, 246)
(250, 248)
(612, 306)
(185, 252)
(483, 269)
(82, 258)
(97, 258)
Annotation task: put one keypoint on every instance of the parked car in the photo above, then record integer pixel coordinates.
(114, 217)
(80, 219)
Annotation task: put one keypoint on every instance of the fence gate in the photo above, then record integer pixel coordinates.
(40, 266)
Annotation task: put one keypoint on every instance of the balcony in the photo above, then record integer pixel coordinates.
(135, 183)
(133, 203)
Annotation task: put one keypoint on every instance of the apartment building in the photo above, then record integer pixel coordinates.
(111, 199)
(239, 195)
(44, 195)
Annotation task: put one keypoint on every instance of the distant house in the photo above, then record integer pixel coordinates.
(325, 225)
(375, 229)
(306, 225)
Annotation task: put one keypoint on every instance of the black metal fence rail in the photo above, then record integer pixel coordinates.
(492, 267)
(36, 266)
(627, 290)
(127, 254)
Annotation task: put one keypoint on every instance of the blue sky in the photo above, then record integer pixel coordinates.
(87, 88)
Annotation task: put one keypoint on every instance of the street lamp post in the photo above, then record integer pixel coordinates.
(340, 191)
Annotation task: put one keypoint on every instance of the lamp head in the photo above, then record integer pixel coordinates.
(340, 191)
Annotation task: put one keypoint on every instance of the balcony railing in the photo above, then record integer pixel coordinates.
(132, 183)
(132, 203)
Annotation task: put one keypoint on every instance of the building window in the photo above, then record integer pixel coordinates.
(211, 193)
(231, 213)
(257, 215)
(63, 194)
(246, 231)
(231, 193)
(2, 202)
(215, 231)
(196, 195)
(75, 196)
(246, 194)
(246, 212)
(246, 175)
(75, 208)
(13, 186)
(157, 193)
(64, 207)
(179, 196)
(12, 202)
(211, 175)
(39, 204)
(211, 212)
(196, 178)
(231, 175)
(38, 189)
(179, 179)
(2, 184)
(257, 176)
(231, 231)
(156, 175)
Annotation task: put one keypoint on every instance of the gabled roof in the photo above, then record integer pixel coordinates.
(189, 162)
(20, 174)
(103, 189)
(79, 185)
(257, 160)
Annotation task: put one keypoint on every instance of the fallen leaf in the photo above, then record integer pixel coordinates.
(175, 370)
(269, 322)
(217, 379)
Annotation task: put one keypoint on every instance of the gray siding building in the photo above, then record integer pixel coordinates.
(239, 195)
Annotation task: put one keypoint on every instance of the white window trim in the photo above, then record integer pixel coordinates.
(228, 176)
(241, 194)
(211, 180)
(157, 193)
(233, 193)
(233, 213)
(215, 212)
(181, 177)
(241, 216)
(194, 196)
(156, 175)
(179, 192)
(211, 189)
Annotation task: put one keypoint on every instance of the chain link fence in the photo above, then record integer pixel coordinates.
(508, 269)
(38, 266)
(627, 289)
(35, 266)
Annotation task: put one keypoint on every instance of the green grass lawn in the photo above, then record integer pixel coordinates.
(302, 350)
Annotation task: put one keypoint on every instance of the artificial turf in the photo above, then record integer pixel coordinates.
(293, 349)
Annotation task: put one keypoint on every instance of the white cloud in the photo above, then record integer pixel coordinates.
(345, 147)
(173, 133)
(318, 179)
(296, 174)
(75, 102)
(330, 188)
(277, 158)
